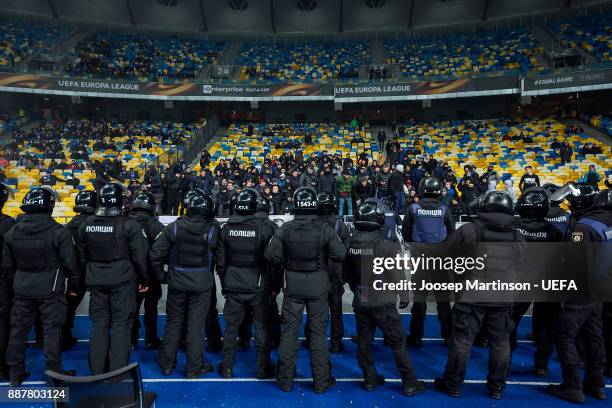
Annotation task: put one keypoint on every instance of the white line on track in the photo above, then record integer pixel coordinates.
(349, 379)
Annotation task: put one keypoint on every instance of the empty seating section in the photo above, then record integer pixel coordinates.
(460, 144)
(461, 54)
(269, 140)
(302, 62)
(591, 33)
(602, 122)
(148, 58)
(20, 40)
(120, 140)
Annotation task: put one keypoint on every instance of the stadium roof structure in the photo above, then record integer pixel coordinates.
(286, 16)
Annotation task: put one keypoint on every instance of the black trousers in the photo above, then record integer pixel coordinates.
(234, 311)
(53, 313)
(72, 303)
(468, 320)
(335, 311)
(389, 321)
(292, 314)
(543, 321)
(213, 328)
(419, 314)
(419, 307)
(150, 299)
(584, 320)
(112, 313)
(607, 332)
(6, 303)
(188, 309)
(518, 311)
(172, 202)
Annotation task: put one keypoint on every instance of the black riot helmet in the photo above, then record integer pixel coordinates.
(579, 195)
(6, 192)
(245, 202)
(144, 201)
(551, 189)
(370, 216)
(110, 200)
(263, 204)
(201, 205)
(190, 194)
(430, 187)
(533, 203)
(40, 200)
(603, 199)
(305, 201)
(496, 202)
(86, 202)
(326, 203)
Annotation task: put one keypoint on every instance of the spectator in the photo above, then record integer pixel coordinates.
(396, 189)
(566, 153)
(591, 177)
(344, 186)
(364, 189)
(469, 193)
(529, 179)
(382, 138)
(491, 178)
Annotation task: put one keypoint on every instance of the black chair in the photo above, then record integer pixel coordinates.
(121, 388)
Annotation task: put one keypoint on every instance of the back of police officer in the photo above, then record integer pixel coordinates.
(6, 286)
(37, 252)
(428, 222)
(327, 209)
(245, 279)
(143, 212)
(303, 247)
(85, 204)
(114, 250)
(495, 224)
(187, 246)
(557, 216)
(533, 206)
(377, 308)
(589, 243)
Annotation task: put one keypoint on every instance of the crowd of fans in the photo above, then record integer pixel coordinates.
(142, 58)
(21, 40)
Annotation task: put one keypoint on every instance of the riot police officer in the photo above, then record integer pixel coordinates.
(245, 279)
(327, 209)
(588, 244)
(495, 224)
(533, 206)
(187, 245)
(6, 289)
(85, 204)
(113, 249)
(377, 308)
(304, 247)
(557, 216)
(429, 222)
(143, 212)
(37, 252)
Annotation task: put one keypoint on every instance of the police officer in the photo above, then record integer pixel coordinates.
(327, 209)
(37, 252)
(6, 289)
(557, 216)
(430, 222)
(187, 245)
(143, 212)
(495, 223)
(245, 279)
(114, 250)
(304, 247)
(593, 225)
(85, 204)
(377, 308)
(533, 206)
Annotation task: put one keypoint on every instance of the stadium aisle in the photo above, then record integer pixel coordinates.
(524, 389)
